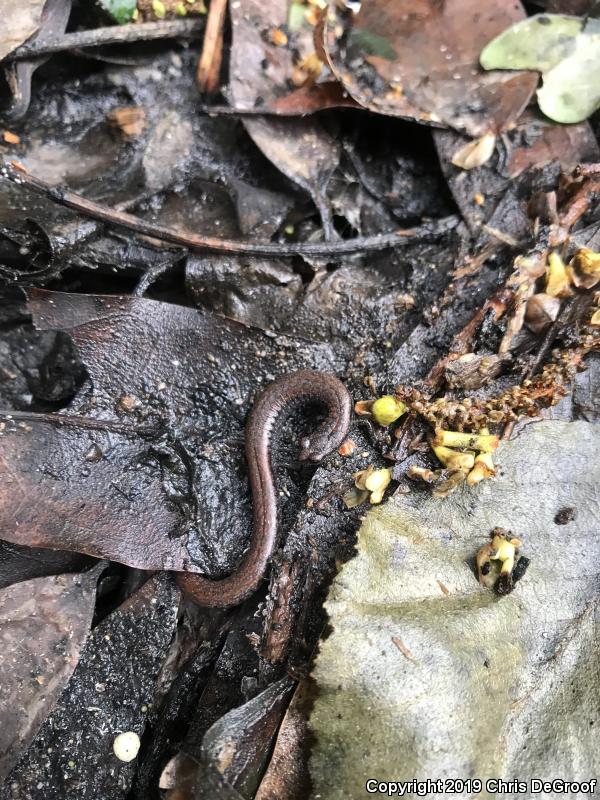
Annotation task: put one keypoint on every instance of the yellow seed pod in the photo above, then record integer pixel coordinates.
(482, 442)
(387, 409)
(454, 459)
(484, 468)
(377, 482)
(557, 279)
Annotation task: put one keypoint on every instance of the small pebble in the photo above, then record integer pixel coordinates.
(126, 746)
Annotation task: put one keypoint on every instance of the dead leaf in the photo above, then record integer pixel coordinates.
(475, 153)
(19, 22)
(421, 61)
(44, 623)
(111, 691)
(52, 23)
(300, 148)
(236, 748)
(176, 496)
(311, 98)
(287, 776)
(19, 563)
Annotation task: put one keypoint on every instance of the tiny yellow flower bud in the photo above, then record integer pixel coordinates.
(584, 268)
(505, 552)
(377, 482)
(484, 468)
(159, 9)
(482, 442)
(453, 459)
(387, 409)
(557, 280)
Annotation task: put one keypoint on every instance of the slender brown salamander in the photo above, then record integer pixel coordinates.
(304, 384)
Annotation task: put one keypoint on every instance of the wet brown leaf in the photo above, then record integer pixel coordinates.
(287, 775)
(43, 625)
(236, 748)
(172, 495)
(301, 148)
(111, 692)
(19, 563)
(421, 60)
(316, 97)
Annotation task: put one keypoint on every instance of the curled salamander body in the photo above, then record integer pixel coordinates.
(302, 385)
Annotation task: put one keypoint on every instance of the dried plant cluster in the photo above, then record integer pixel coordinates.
(524, 400)
(462, 441)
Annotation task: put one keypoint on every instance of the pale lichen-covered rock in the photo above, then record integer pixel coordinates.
(429, 675)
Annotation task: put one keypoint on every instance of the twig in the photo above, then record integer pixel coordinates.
(579, 203)
(16, 174)
(209, 65)
(240, 111)
(75, 421)
(117, 34)
(463, 340)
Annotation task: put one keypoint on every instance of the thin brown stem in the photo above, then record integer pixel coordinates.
(427, 232)
(75, 421)
(115, 34)
(209, 65)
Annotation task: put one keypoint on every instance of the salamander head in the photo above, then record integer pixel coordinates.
(316, 446)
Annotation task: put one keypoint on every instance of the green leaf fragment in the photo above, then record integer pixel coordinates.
(121, 11)
(296, 19)
(571, 91)
(539, 42)
(564, 51)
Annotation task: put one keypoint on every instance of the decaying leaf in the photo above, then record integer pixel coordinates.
(236, 748)
(44, 623)
(111, 692)
(162, 485)
(420, 60)
(287, 776)
(19, 21)
(496, 687)
(475, 153)
(301, 148)
(52, 23)
(566, 50)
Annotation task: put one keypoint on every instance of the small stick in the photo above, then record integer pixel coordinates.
(209, 65)
(115, 34)
(75, 421)
(16, 173)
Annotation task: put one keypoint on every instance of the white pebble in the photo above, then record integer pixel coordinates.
(126, 746)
